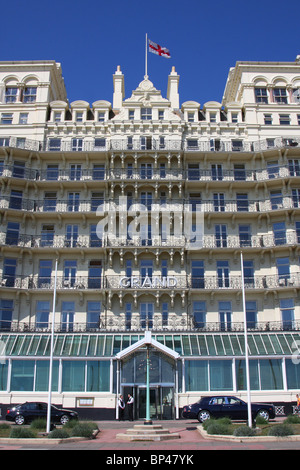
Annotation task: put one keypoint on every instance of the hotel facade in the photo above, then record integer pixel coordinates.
(145, 206)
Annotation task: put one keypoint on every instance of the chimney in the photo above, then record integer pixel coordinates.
(119, 93)
(172, 93)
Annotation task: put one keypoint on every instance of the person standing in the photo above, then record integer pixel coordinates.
(121, 408)
(130, 407)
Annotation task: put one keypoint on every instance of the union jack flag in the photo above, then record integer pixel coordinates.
(157, 49)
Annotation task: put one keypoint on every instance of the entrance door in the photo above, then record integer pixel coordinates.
(141, 405)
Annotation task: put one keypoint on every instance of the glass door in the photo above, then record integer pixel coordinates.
(141, 405)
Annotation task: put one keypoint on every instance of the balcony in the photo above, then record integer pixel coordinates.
(174, 323)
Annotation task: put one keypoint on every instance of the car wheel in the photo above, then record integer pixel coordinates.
(64, 419)
(203, 415)
(19, 420)
(263, 414)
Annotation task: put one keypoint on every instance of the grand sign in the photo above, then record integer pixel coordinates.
(153, 282)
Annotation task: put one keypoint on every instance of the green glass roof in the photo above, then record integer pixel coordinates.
(186, 344)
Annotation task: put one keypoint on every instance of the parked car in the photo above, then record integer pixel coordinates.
(229, 406)
(29, 411)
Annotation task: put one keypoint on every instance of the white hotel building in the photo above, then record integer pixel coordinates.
(121, 273)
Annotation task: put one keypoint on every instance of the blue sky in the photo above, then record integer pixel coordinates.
(205, 38)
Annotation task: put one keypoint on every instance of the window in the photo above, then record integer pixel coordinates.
(261, 95)
(273, 169)
(165, 313)
(197, 274)
(216, 172)
(248, 269)
(234, 117)
(192, 144)
(57, 116)
(283, 270)
(73, 202)
(242, 202)
(100, 144)
(161, 114)
(131, 114)
(71, 235)
(268, 119)
(191, 117)
(284, 119)
(29, 95)
(93, 314)
(94, 274)
(12, 233)
(146, 315)
(50, 202)
(219, 202)
(79, 116)
(94, 238)
(279, 233)
(42, 313)
(6, 313)
(128, 315)
(237, 145)
(221, 235)
(52, 172)
(67, 316)
(96, 201)
(70, 269)
(146, 143)
(212, 117)
(193, 172)
(47, 235)
(251, 314)
(199, 314)
(225, 315)
(23, 118)
(223, 273)
(276, 199)
(98, 172)
(45, 270)
(77, 145)
(4, 141)
(15, 201)
(239, 172)
(11, 94)
(287, 313)
(6, 118)
(101, 116)
(54, 145)
(294, 167)
(146, 269)
(279, 95)
(146, 114)
(245, 235)
(296, 197)
(146, 170)
(18, 169)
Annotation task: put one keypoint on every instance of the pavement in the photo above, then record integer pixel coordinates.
(190, 443)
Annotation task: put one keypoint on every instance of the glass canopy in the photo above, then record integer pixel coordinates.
(186, 344)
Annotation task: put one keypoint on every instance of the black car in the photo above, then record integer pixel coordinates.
(29, 411)
(231, 407)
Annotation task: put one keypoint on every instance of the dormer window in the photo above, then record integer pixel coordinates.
(146, 114)
(161, 114)
(191, 117)
(79, 116)
(131, 114)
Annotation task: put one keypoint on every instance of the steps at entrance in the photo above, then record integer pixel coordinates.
(152, 432)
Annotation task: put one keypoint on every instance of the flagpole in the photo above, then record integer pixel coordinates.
(51, 354)
(146, 58)
(246, 346)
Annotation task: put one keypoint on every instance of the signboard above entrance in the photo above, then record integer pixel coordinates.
(150, 282)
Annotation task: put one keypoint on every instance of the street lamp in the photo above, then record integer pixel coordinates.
(148, 420)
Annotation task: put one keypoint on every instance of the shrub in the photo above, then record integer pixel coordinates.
(260, 420)
(4, 426)
(39, 423)
(281, 430)
(83, 430)
(58, 434)
(244, 431)
(292, 419)
(220, 421)
(218, 428)
(21, 433)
